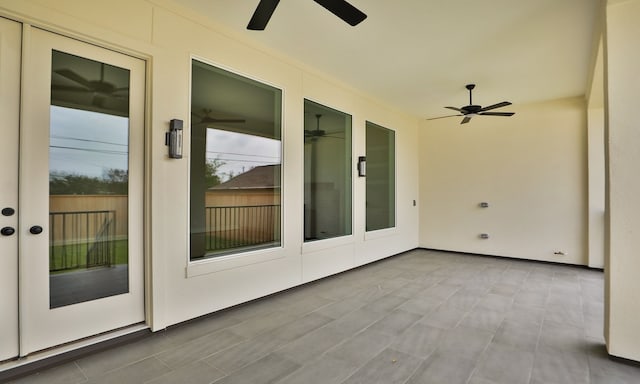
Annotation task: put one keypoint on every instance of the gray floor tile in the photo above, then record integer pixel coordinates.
(561, 367)
(194, 373)
(340, 308)
(361, 348)
(525, 315)
(313, 345)
(444, 317)
(300, 327)
(444, 368)
(199, 348)
(441, 291)
(261, 324)
(505, 365)
(395, 323)
(100, 363)
(420, 305)
(385, 304)
(325, 370)
(64, 374)
(385, 323)
(561, 336)
(464, 341)
(197, 328)
(355, 321)
(139, 372)
(518, 335)
(389, 367)
(495, 302)
(267, 370)
(420, 340)
(483, 318)
(531, 299)
(240, 355)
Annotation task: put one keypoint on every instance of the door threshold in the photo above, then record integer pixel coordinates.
(38, 361)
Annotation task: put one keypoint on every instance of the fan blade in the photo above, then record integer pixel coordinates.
(69, 88)
(494, 106)
(262, 15)
(69, 74)
(455, 109)
(212, 120)
(347, 12)
(465, 120)
(497, 113)
(443, 117)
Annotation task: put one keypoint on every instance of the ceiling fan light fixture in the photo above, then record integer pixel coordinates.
(471, 110)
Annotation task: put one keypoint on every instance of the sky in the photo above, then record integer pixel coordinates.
(90, 143)
(240, 152)
(87, 143)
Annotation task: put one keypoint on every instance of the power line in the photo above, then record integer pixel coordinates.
(87, 140)
(104, 151)
(243, 154)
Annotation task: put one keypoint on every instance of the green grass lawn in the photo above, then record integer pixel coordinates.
(72, 257)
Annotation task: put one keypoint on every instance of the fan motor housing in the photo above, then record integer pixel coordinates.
(471, 109)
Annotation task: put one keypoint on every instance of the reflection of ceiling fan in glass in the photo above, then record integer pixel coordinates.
(206, 119)
(103, 94)
(315, 134)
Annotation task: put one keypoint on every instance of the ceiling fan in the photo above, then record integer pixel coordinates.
(206, 119)
(476, 110)
(101, 89)
(315, 134)
(347, 12)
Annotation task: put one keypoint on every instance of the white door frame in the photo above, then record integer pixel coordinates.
(40, 326)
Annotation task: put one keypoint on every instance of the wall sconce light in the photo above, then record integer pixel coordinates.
(173, 139)
(362, 166)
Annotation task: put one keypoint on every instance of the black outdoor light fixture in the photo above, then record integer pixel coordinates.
(362, 166)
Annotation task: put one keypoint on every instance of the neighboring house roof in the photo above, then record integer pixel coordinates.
(265, 176)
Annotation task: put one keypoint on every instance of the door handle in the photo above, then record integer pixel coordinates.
(36, 230)
(7, 231)
(8, 211)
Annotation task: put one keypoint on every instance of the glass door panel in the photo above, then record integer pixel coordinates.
(88, 180)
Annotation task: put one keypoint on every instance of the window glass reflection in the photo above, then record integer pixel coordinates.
(235, 164)
(327, 172)
(88, 180)
(380, 179)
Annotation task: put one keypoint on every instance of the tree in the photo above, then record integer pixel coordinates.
(211, 176)
(112, 182)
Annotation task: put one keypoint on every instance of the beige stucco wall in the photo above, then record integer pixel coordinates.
(167, 37)
(622, 243)
(530, 168)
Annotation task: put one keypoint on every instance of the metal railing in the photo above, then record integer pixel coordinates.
(241, 226)
(81, 239)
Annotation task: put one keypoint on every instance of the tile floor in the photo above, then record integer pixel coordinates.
(419, 317)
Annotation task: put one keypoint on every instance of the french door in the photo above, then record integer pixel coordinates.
(10, 33)
(79, 217)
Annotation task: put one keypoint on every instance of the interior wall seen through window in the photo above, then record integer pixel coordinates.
(327, 173)
(381, 178)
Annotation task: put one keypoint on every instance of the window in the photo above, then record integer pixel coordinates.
(327, 172)
(381, 178)
(235, 163)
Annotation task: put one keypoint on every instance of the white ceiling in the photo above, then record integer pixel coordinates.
(417, 55)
